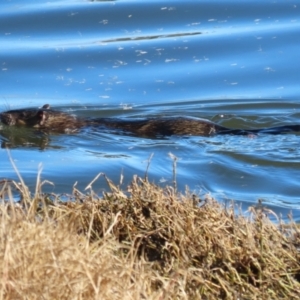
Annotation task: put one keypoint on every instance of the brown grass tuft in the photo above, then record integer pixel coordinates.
(145, 243)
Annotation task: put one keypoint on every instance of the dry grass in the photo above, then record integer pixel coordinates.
(145, 243)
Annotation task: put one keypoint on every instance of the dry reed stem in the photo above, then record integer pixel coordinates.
(147, 243)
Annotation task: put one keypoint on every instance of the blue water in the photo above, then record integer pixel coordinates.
(233, 62)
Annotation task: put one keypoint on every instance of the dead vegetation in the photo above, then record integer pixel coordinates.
(144, 243)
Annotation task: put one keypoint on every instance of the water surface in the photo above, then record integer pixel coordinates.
(233, 62)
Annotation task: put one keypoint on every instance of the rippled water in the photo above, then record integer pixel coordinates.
(233, 62)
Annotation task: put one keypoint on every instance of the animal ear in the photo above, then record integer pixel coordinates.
(41, 115)
(46, 106)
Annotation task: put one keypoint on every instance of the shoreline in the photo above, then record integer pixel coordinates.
(146, 242)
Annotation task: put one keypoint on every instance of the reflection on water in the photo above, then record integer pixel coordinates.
(152, 37)
(12, 137)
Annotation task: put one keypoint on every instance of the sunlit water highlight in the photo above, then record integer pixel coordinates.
(233, 62)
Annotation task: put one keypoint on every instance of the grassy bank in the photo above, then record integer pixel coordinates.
(144, 243)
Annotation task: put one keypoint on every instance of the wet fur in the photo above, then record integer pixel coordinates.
(46, 119)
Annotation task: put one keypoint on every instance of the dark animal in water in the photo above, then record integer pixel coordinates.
(46, 119)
